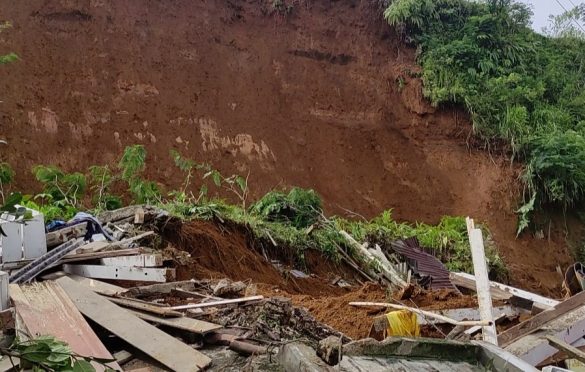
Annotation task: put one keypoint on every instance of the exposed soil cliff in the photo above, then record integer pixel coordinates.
(322, 96)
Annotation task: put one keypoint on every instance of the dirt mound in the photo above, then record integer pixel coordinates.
(335, 311)
(324, 96)
(228, 250)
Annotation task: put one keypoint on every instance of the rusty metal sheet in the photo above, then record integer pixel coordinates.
(423, 263)
(45, 309)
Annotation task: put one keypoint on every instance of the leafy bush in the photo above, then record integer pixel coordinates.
(300, 208)
(58, 186)
(556, 167)
(131, 166)
(519, 86)
(101, 181)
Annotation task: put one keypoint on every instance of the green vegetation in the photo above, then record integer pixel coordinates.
(519, 86)
(6, 176)
(46, 353)
(10, 57)
(292, 220)
(299, 208)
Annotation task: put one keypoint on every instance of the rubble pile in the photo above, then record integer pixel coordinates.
(108, 287)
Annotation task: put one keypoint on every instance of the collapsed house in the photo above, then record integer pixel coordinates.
(114, 292)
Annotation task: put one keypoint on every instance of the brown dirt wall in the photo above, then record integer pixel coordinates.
(312, 99)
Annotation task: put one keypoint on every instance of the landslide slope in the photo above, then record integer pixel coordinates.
(324, 96)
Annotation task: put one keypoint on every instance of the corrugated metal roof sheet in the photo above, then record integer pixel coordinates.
(423, 263)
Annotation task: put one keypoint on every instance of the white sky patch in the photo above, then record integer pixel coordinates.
(543, 8)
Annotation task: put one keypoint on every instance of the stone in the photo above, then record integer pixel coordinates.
(298, 357)
(329, 350)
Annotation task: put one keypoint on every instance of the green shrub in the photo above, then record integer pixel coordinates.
(518, 86)
(300, 208)
(59, 186)
(131, 166)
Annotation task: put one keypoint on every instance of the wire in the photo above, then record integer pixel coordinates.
(572, 19)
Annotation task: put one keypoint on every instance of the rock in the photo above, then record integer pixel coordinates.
(298, 357)
(329, 350)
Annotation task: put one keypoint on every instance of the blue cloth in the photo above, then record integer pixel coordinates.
(93, 225)
(55, 225)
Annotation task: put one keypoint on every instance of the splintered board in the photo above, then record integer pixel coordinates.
(152, 341)
(45, 309)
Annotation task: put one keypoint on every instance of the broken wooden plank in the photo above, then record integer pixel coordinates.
(471, 313)
(165, 287)
(501, 291)
(134, 304)
(563, 346)
(127, 241)
(484, 297)
(97, 255)
(190, 294)
(540, 319)
(4, 302)
(91, 247)
(184, 323)
(61, 236)
(218, 303)
(123, 356)
(97, 286)
(421, 312)
(387, 269)
(534, 348)
(45, 309)
(141, 260)
(121, 273)
(157, 344)
(119, 214)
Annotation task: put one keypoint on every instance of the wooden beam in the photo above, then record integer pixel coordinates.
(165, 288)
(563, 346)
(425, 313)
(471, 313)
(218, 303)
(142, 260)
(76, 257)
(484, 297)
(121, 273)
(157, 344)
(149, 308)
(58, 237)
(386, 268)
(501, 291)
(91, 247)
(537, 321)
(534, 348)
(97, 286)
(4, 298)
(183, 323)
(45, 309)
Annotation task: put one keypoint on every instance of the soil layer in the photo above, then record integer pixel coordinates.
(323, 96)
